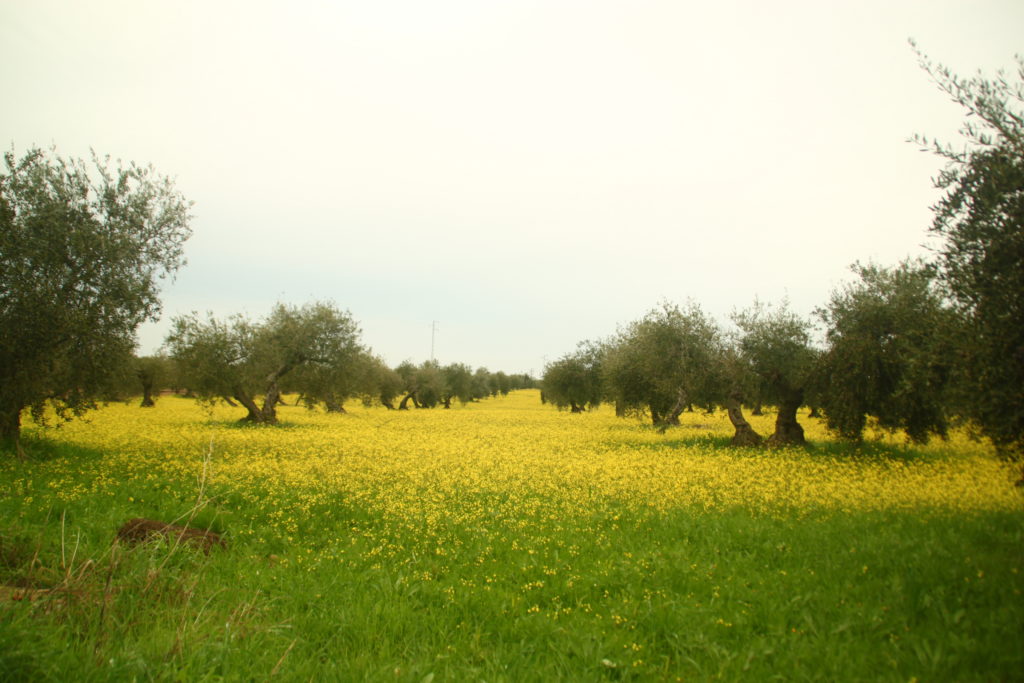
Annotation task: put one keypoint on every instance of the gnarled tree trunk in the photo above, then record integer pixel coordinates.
(147, 393)
(270, 401)
(788, 431)
(255, 415)
(672, 418)
(655, 416)
(745, 434)
(333, 405)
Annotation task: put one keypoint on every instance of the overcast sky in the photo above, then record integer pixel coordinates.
(527, 174)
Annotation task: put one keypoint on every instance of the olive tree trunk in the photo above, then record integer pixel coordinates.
(267, 414)
(270, 401)
(672, 417)
(147, 381)
(333, 405)
(745, 434)
(255, 415)
(788, 431)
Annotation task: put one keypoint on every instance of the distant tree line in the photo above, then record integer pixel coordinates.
(313, 352)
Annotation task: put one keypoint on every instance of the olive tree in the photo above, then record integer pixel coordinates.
(887, 353)
(481, 383)
(384, 384)
(458, 383)
(500, 383)
(776, 344)
(429, 381)
(424, 384)
(665, 362)
(737, 384)
(980, 221)
(574, 381)
(152, 373)
(239, 360)
(83, 248)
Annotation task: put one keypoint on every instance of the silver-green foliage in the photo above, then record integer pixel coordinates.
(83, 248)
(888, 354)
(574, 381)
(665, 362)
(980, 220)
(314, 348)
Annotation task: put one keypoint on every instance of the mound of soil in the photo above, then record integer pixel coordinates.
(140, 530)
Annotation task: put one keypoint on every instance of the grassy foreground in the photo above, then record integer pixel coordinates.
(503, 541)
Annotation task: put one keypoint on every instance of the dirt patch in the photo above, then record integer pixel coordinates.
(142, 530)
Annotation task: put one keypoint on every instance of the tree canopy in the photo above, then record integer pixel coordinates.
(776, 344)
(980, 220)
(83, 248)
(664, 362)
(241, 359)
(574, 381)
(887, 355)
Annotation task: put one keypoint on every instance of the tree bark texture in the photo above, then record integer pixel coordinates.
(147, 394)
(788, 431)
(256, 415)
(270, 400)
(655, 416)
(268, 413)
(745, 434)
(672, 418)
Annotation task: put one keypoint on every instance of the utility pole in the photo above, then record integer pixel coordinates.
(433, 331)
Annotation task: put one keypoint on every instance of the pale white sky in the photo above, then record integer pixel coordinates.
(528, 174)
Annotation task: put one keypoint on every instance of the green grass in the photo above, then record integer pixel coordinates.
(613, 593)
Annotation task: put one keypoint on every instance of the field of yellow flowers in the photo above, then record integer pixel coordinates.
(504, 540)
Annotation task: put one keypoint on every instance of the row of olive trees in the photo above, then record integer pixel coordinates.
(431, 384)
(313, 351)
(914, 346)
(885, 357)
(83, 250)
